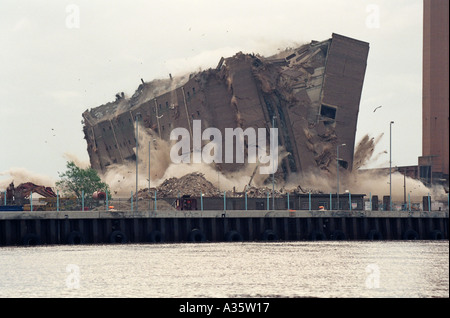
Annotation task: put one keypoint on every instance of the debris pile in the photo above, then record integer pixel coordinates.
(254, 192)
(195, 183)
(191, 184)
(300, 190)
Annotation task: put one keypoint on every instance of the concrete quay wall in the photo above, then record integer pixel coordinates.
(109, 227)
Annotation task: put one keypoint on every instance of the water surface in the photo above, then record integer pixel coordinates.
(243, 269)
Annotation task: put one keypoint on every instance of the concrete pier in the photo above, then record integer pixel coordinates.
(109, 227)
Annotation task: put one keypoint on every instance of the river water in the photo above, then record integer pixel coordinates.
(394, 269)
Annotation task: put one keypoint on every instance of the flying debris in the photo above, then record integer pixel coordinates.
(376, 108)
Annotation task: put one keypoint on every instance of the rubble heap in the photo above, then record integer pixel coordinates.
(254, 192)
(195, 183)
(191, 184)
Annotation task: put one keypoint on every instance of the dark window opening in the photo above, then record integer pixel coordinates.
(327, 111)
(290, 56)
(193, 90)
(188, 95)
(343, 163)
(198, 113)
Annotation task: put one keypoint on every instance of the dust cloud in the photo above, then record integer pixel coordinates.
(22, 175)
(122, 178)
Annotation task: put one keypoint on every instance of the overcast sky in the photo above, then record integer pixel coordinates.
(59, 58)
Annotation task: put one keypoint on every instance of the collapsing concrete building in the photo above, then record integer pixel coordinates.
(312, 93)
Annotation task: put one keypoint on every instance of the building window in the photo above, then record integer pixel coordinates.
(291, 56)
(343, 163)
(327, 111)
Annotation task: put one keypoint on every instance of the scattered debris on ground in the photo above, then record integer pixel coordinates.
(195, 183)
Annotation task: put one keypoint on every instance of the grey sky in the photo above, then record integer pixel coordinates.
(54, 66)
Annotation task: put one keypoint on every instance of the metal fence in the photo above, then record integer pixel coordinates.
(306, 202)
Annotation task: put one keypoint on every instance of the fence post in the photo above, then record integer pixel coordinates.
(409, 202)
(331, 203)
(267, 201)
(5, 197)
(245, 199)
(350, 200)
(429, 202)
(288, 200)
(370, 196)
(57, 200)
(131, 201)
(82, 200)
(201, 200)
(31, 201)
(156, 200)
(309, 200)
(224, 200)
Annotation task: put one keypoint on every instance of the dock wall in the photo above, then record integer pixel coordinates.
(105, 227)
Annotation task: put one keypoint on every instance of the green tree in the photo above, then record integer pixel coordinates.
(76, 180)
